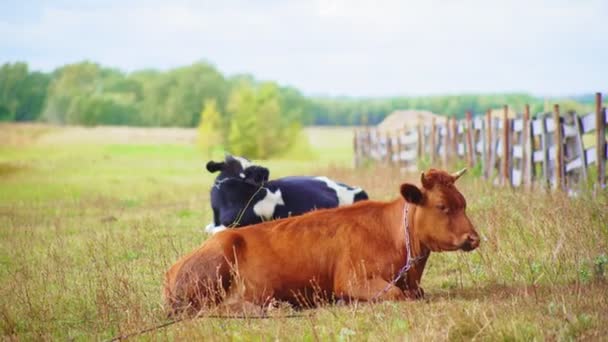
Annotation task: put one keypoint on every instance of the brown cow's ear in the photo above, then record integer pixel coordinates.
(411, 193)
(214, 167)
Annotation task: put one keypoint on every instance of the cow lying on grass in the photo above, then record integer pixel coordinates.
(350, 253)
(243, 195)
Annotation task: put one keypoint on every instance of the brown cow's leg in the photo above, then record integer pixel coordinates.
(374, 289)
(411, 285)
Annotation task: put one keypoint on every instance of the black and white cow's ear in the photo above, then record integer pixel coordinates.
(411, 193)
(214, 166)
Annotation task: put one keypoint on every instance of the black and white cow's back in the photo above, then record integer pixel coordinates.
(239, 201)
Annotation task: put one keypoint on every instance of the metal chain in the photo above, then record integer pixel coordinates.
(219, 183)
(409, 261)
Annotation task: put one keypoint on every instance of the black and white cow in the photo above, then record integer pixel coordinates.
(242, 194)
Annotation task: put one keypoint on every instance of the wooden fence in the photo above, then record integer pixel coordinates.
(550, 149)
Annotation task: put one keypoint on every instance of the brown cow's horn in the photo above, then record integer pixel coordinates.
(424, 181)
(457, 175)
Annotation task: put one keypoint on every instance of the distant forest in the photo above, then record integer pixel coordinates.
(87, 93)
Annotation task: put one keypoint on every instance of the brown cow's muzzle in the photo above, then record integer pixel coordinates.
(471, 242)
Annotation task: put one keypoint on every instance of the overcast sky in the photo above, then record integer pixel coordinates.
(331, 47)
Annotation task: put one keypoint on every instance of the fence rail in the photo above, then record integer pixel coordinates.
(552, 149)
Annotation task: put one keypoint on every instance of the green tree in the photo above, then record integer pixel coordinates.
(259, 127)
(210, 133)
(32, 96)
(71, 85)
(12, 77)
(22, 93)
(242, 133)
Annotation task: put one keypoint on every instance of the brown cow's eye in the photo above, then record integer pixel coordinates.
(442, 208)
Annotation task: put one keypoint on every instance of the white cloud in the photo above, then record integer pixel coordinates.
(335, 46)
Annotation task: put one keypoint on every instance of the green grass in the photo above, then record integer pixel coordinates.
(88, 230)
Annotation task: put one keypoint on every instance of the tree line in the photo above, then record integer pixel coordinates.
(87, 93)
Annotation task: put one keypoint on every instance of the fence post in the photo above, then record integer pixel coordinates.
(600, 138)
(368, 142)
(470, 149)
(506, 179)
(526, 148)
(420, 140)
(489, 145)
(389, 148)
(433, 141)
(446, 142)
(454, 142)
(400, 132)
(356, 148)
(559, 149)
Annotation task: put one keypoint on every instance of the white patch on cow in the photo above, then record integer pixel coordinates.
(265, 207)
(242, 175)
(244, 162)
(213, 229)
(345, 195)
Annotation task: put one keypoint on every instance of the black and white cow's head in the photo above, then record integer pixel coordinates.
(235, 167)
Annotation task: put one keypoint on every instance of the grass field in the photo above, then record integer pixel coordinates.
(90, 219)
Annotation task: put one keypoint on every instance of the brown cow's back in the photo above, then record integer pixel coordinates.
(297, 255)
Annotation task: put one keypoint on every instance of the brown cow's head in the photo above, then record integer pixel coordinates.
(440, 221)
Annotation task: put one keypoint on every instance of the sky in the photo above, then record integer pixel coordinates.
(329, 47)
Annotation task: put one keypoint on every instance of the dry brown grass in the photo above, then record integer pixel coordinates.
(86, 233)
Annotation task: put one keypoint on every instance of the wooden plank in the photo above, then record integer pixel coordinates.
(551, 152)
(478, 123)
(445, 142)
(388, 150)
(590, 155)
(397, 147)
(453, 149)
(461, 149)
(479, 146)
(516, 179)
(489, 165)
(580, 147)
(461, 127)
(469, 140)
(600, 141)
(559, 149)
(538, 156)
(440, 151)
(550, 124)
(409, 138)
(505, 146)
(420, 149)
(527, 146)
(356, 147)
(588, 122)
(569, 130)
(545, 146)
(433, 140)
(518, 152)
(537, 127)
(408, 155)
(518, 125)
(575, 164)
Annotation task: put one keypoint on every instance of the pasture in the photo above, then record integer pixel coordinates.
(90, 219)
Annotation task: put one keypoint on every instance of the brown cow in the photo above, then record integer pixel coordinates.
(350, 253)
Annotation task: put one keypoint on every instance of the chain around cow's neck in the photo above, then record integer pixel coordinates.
(409, 260)
(218, 183)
